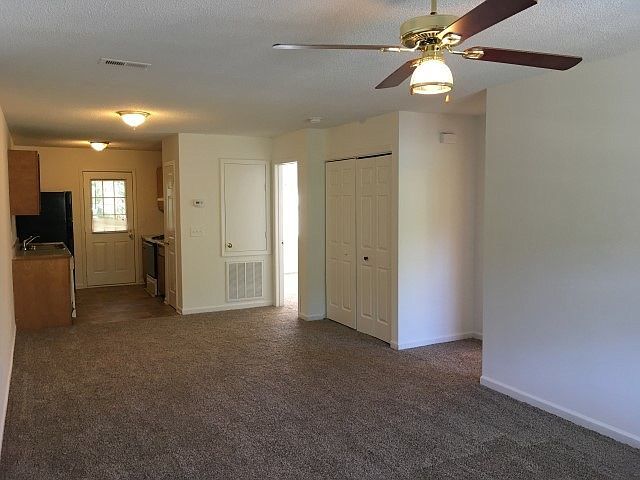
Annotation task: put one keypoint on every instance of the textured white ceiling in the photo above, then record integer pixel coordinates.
(214, 70)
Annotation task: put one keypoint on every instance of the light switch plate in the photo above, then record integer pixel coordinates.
(197, 231)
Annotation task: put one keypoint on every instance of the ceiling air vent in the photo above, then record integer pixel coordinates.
(114, 62)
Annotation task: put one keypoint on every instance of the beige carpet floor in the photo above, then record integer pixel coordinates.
(261, 395)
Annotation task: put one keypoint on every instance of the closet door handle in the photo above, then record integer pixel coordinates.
(366, 259)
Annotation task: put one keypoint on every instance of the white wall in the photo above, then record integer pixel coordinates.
(481, 133)
(202, 275)
(7, 239)
(307, 147)
(436, 228)
(562, 244)
(369, 136)
(61, 170)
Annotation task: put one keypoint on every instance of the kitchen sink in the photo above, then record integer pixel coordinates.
(47, 246)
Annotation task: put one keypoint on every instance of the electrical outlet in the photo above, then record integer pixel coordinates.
(197, 231)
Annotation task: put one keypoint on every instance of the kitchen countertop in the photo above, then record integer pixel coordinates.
(153, 239)
(40, 254)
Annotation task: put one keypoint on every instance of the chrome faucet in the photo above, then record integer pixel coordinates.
(27, 241)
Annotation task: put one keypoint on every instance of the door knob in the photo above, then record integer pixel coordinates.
(131, 235)
(366, 259)
(229, 245)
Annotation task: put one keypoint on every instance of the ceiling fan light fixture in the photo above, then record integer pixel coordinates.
(99, 146)
(431, 77)
(133, 119)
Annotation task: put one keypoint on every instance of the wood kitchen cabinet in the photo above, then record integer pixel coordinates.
(24, 182)
(42, 291)
(160, 189)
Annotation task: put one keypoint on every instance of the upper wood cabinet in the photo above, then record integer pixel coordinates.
(24, 182)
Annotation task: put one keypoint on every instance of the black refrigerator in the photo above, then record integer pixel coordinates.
(55, 222)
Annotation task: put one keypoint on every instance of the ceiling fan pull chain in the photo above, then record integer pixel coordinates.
(434, 7)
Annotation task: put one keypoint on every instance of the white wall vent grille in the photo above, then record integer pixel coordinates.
(114, 62)
(244, 280)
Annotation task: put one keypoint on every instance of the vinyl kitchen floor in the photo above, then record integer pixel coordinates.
(117, 304)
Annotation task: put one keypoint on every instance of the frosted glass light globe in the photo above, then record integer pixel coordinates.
(431, 77)
(133, 119)
(99, 146)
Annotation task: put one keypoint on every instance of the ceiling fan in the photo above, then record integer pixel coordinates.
(436, 34)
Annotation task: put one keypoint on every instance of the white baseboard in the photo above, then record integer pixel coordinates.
(311, 317)
(431, 341)
(560, 411)
(5, 394)
(477, 335)
(223, 308)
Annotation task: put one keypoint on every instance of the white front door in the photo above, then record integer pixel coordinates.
(168, 170)
(109, 228)
(341, 242)
(373, 192)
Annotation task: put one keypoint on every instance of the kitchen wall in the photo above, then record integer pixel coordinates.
(7, 240)
(202, 276)
(562, 244)
(436, 228)
(61, 169)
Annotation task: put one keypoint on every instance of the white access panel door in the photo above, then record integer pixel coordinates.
(341, 242)
(245, 207)
(374, 253)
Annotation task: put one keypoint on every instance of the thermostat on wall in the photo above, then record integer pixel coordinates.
(446, 137)
(198, 203)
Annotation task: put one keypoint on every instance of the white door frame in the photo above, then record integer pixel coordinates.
(134, 206)
(170, 269)
(278, 270)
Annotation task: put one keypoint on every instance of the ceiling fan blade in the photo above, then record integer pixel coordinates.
(486, 15)
(399, 76)
(518, 57)
(303, 46)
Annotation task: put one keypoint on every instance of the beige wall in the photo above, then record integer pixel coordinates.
(307, 147)
(437, 228)
(7, 239)
(61, 170)
(202, 267)
(562, 244)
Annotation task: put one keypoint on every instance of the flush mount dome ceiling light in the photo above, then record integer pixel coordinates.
(431, 76)
(98, 146)
(133, 118)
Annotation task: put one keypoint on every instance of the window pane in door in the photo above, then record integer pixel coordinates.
(109, 206)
